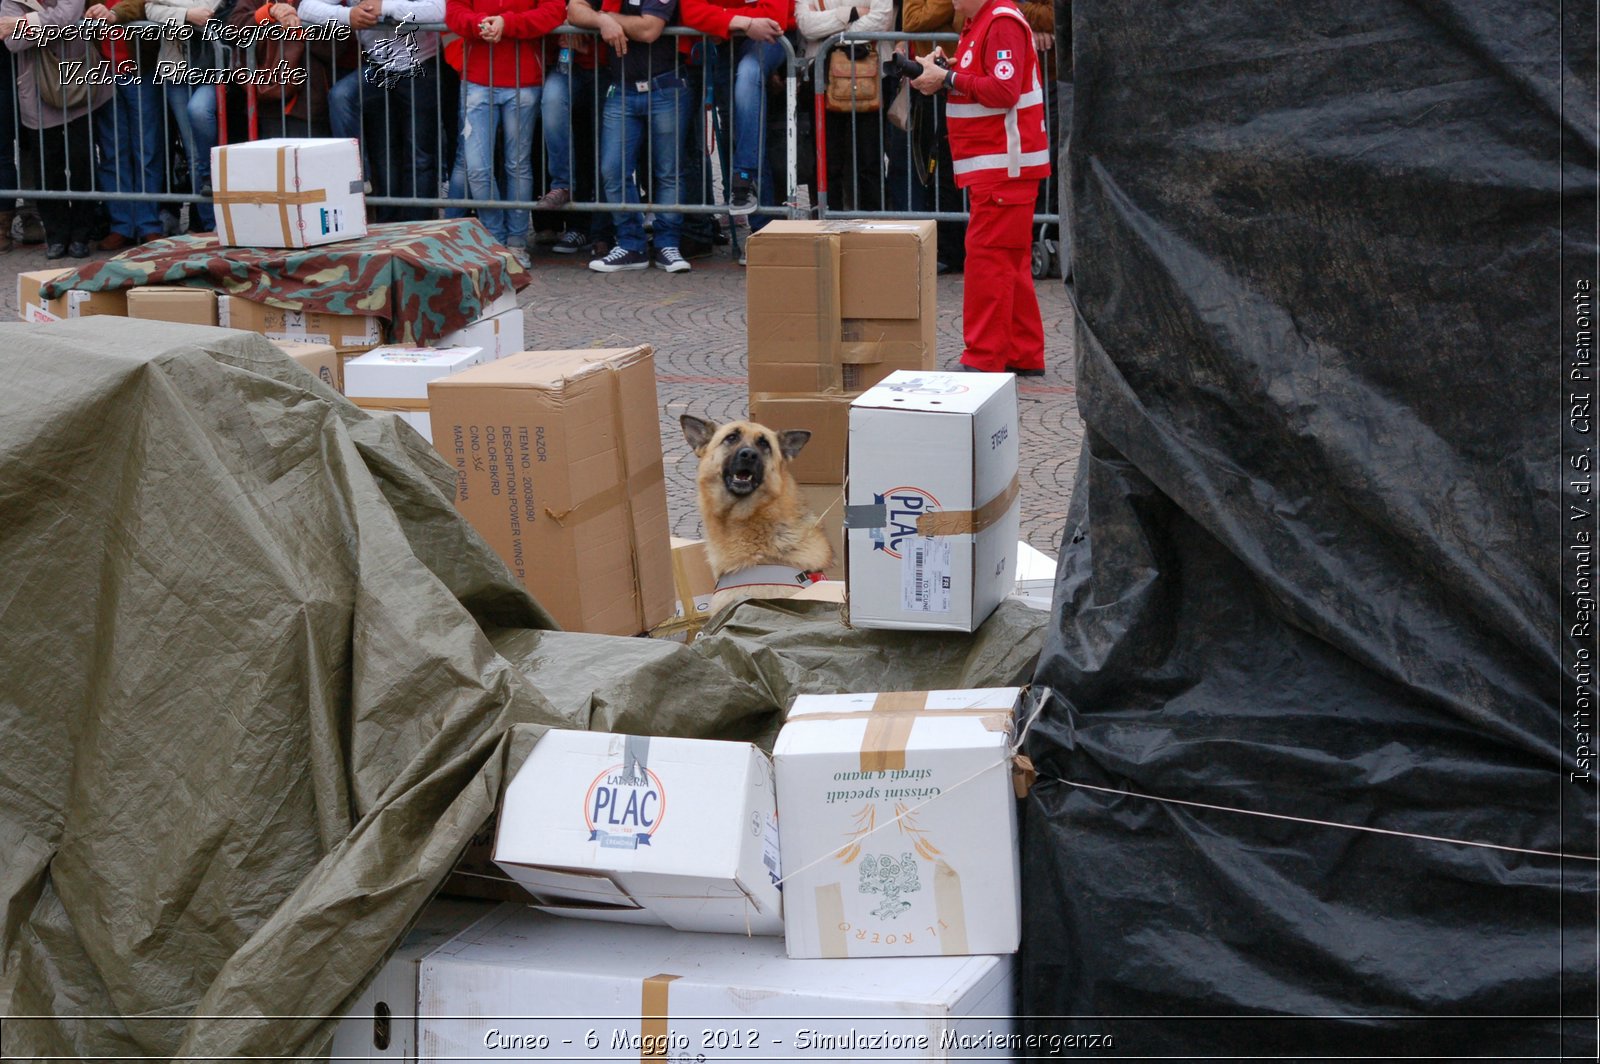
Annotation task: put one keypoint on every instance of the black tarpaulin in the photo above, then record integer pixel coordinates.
(1312, 564)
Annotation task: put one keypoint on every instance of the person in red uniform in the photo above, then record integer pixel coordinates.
(1001, 152)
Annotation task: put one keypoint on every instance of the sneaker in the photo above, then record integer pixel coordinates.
(553, 200)
(55, 251)
(570, 243)
(78, 249)
(671, 260)
(743, 201)
(523, 258)
(620, 259)
(742, 255)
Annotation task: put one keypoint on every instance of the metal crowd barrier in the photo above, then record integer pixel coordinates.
(415, 157)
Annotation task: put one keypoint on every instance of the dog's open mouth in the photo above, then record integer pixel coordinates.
(742, 475)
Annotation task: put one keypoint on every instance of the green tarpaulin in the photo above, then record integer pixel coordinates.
(259, 684)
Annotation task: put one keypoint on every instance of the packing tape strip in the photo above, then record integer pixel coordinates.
(970, 522)
(612, 497)
(951, 911)
(653, 1039)
(830, 921)
(370, 402)
(883, 746)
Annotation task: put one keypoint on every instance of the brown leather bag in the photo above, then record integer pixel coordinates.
(854, 83)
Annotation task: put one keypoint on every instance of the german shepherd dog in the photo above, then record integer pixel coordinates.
(761, 539)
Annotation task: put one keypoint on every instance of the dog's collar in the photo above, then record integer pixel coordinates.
(758, 575)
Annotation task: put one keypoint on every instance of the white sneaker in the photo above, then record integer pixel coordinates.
(522, 256)
(620, 259)
(671, 260)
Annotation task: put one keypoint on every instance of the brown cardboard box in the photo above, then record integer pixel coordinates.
(350, 333)
(826, 502)
(321, 360)
(189, 306)
(72, 305)
(822, 591)
(823, 321)
(828, 419)
(558, 465)
(691, 574)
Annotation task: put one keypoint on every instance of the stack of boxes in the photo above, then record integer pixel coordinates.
(833, 308)
(894, 883)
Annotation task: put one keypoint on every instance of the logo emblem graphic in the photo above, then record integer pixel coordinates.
(1004, 70)
(901, 508)
(945, 384)
(889, 878)
(625, 804)
(966, 59)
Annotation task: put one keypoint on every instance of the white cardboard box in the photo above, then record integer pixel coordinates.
(932, 507)
(523, 986)
(1036, 577)
(899, 824)
(498, 334)
(288, 192)
(636, 829)
(395, 379)
(382, 1024)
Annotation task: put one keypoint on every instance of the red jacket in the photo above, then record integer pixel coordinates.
(515, 59)
(713, 16)
(994, 114)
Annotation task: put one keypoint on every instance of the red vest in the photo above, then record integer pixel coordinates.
(986, 142)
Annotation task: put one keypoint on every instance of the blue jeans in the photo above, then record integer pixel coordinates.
(197, 125)
(129, 134)
(400, 146)
(628, 118)
(754, 64)
(485, 110)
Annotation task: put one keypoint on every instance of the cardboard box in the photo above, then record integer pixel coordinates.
(691, 575)
(499, 335)
(289, 192)
(190, 306)
(558, 465)
(320, 360)
(899, 824)
(346, 332)
(826, 502)
(836, 306)
(827, 417)
(933, 500)
(74, 304)
(822, 591)
(382, 1024)
(395, 380)
(523, 980)
(680, 832)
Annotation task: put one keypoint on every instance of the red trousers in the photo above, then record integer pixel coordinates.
(1001, 323)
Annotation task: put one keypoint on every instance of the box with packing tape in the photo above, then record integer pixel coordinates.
(933, 507)
(320, 360)
(176, 303)
(826, 417)
(574, 991)
(395, 380)
(288, 192)
(691, 577)
(634, 829)
(899, 824)
(558, 466)
(498, 334)
(347, 332)
(31, 306)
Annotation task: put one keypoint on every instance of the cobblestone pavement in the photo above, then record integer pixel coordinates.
(696, 322)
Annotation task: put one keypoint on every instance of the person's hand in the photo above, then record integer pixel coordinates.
(492, 28)
(765, 30)
(931, 80)
(99, 12)
(365, 15)
(198, 16)
(8, 25)
(611, 32)
(285, 15)
(1043, 42)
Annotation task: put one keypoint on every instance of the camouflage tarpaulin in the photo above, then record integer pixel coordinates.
(260, 683)
(424, 279)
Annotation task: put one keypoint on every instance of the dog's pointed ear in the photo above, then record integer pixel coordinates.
(697, 431)
(790, 441)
